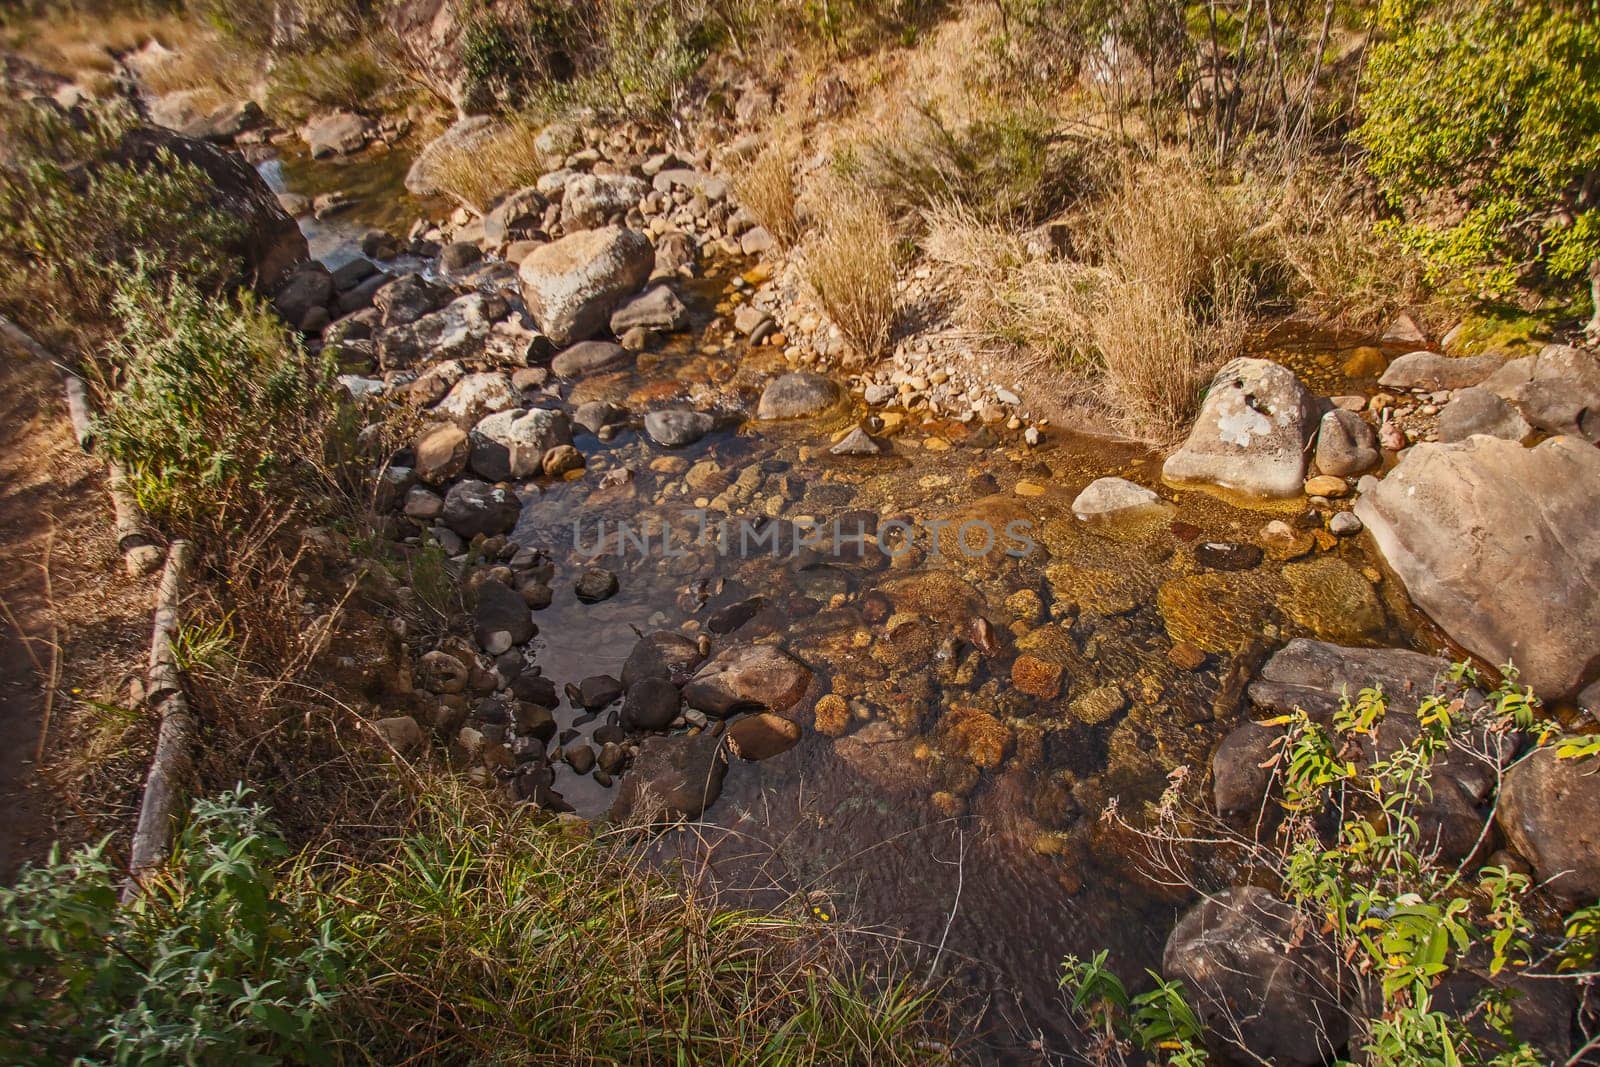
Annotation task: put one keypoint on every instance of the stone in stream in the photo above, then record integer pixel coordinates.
(856, 443)
(1111, 500)
(1227, 555)
(728, 619)
(472, 507)
(657, 308)
(1346, 444)
(796, 395)
(307, 289)
(680, 776)
(1251, 433)
(442, 454)
(501, 619)
(408, 298)
(1254, 974)
(562, 460)
(598, 690)
(1429, 371)
(762, 736)
(662, 654)
(571, 286)
(592, 417)
(1499, 545)
(678, 428)
(1557, 391)
(515, 216)
(459, 330)
(536, 689)
(474, 397)
(650, 704)
(753, 323)
(513, 444)
(579, 757)
(595, 584)
(1549, 809)
(1476, 410)
(748, 678)
(458, 256)
(588, 357)
(336, 133)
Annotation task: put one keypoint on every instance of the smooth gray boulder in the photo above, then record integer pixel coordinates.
(336, 133)
(1557, 391)
(1433, 370)
(1476, 410)
(571, 286)
(1499, 544)
(587, 357)
(1346, 445)
(796, 395)
(657, 308)
(1109, 499)
(1251, 433)
(676, 429)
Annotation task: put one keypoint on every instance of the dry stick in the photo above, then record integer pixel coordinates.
(171, 769)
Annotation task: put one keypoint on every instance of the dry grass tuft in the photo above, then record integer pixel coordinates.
(506, 162)
(849, 261)
(767, 189)
(1172, 265)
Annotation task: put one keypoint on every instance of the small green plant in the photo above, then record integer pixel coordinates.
(214, 406)
(1353, 855)
(209, 964)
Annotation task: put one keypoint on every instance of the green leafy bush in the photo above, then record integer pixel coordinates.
(211, 964)
(1482, 121)
(214, 407)
(1355, 857)
(348, 76)
(635, 60)
(73, 218)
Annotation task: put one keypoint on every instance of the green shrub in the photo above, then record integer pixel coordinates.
(72, 219)
(216, 408)
(211, 964)
(1482, 123)
(348, 76)
(1356, 858)
(636, 60)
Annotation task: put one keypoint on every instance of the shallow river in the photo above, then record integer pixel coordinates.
(1008, 868)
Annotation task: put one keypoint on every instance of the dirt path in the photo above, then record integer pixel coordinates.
(69, 610)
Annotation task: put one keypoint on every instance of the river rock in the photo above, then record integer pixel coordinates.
(1476, 410)
(424, 505)
(442, 454)
(796, 395)
(1550, 811)
(459, 330)
(590, 200)
(571, 286)
(472, 507)
(597, 691)
(408, 298)
(1430, 371)
(856, 443)
(1257, 973)
(677, 428)
(501, 619)
(662, 654)
(1499, 545)
(336, 133)
(650, 704)
(476, 396)
(587, 357)
(762, 736)
(681, 775)
(1111, 500)
(748, 678)
(1251, 433)
(657, 308)
(306, 290)
(561, 461)
(1557, 391)
(1346, 445)
(595, 584)
(516, 216)
(1227, 555)
(593, 417)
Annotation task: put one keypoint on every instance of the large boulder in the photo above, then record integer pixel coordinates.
(512, 443)
(681, 776)
(1251, 433)
(1550, 811)
(571, 286)
(748, 678)
(1260, 979)
(796, 395)
(1499, 544)
(408, 298)
(336, 133)
(1475, 410)
(1558, 390)
(591, 200)
(500, 618)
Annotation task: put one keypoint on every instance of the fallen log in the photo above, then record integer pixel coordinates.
(171, 772)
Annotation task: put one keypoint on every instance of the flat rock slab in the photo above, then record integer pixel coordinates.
(1433, 370)
(1500, 545)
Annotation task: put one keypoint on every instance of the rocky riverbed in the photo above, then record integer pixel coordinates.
(893, 641)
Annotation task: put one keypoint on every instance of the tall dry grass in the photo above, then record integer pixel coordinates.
(767, 189)
(507, 161)
(1172, 264)
(849, 262)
